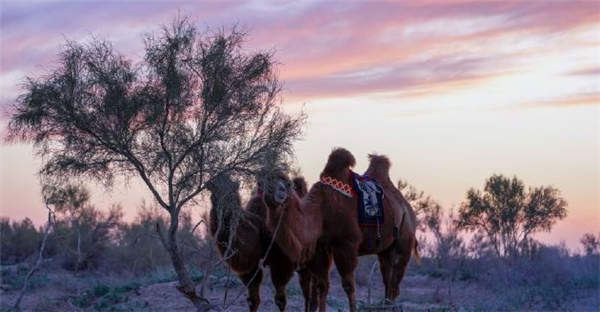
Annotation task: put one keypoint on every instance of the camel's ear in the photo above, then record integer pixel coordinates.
(300, 186)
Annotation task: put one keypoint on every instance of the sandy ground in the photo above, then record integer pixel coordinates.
(418, 293)
(416, 296)
(59, 290)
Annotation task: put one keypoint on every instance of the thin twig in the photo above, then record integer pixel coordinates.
(39, 260)
(196, 226)
(227, 286)
(370, 281)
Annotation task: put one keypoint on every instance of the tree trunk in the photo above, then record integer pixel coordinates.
(78, 262)
(186, 286)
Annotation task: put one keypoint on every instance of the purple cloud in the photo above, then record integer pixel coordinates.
(325, 48)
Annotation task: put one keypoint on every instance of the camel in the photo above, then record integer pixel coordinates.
(324, 229)
(244, 249)
(252, 240)
(394, 258)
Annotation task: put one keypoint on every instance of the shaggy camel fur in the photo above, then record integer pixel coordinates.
(243, 239)
(393, 259)
(331, 217)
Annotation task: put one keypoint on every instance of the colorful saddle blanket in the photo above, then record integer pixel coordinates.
(370, 200)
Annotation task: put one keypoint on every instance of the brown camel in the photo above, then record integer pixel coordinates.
(244, 249)
(394, 258)
(329, 214)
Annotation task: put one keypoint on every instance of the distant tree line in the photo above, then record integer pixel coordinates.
(85, 237)
(503, 219)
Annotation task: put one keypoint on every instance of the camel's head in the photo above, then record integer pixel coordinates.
(224, 190)
(280, 193)
(379, 167)
(276, 188)
(279, 196)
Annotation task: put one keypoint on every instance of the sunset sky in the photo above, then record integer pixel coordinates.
(451, 91)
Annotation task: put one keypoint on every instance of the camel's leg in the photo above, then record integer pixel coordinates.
(309, 289)
(319, 268)
(387, 272)
(322, 288)
(399, 270)
(281, 273)
(400, 265)
(394, 262)
(346, 259)
(252, 281)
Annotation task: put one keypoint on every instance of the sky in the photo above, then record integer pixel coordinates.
(451, 91)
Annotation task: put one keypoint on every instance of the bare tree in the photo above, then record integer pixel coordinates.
(507, 214)
(197, 106)
(591, 244)
(432, 219)
(428, 211)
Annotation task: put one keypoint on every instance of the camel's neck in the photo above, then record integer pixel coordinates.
(380, 175)
(299, 230)
(225, 207)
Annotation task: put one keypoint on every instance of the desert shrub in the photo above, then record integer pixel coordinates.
(103, 297)
(18, 240)
(447, 244)
(137, 247)
(84, 240)
(546, 280)
(14, 277)
(440, 237)
(82, 232)
(591, 244)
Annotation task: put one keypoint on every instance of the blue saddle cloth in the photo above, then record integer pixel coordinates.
(370, 200)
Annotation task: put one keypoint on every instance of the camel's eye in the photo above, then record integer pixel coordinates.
(281, 192)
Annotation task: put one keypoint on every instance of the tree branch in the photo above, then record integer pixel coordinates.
(39, 260)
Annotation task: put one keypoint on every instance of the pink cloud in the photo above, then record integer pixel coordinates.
(587, 98)
(319, 45)
(588, 71)
(402, 76)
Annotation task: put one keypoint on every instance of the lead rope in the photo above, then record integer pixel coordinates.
(379, 236)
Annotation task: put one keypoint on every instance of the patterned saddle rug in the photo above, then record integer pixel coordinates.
(370, 200)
